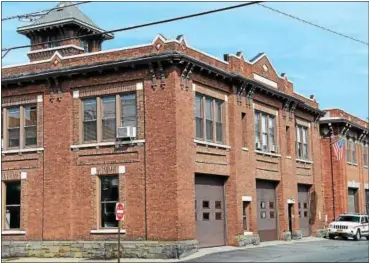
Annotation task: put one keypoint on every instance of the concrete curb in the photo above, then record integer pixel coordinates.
(200, 253)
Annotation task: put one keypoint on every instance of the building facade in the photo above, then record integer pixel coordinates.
(345, 175)
(201, 151)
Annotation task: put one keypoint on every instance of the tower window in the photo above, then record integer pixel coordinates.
(84, 45)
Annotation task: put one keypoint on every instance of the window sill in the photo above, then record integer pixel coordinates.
(268, 153)
(107, 231)
(245, 149)
(102, 144)
(304, 161)
(216, 145)
(365, 166)
(13, 232)
(350, 163)
(25, 150)
(289, 157)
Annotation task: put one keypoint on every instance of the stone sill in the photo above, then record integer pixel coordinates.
(304, 161)
(25, 150)
(102, 144)
(13, 232)
(216, 145)
(289, 157)
(267, 153)
(350, 163)
(245, 149)
(366, 167)
(108, 231)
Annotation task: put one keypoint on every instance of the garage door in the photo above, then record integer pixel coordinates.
(209, 210)
(351, 200)
(267, 210)
(304, 209)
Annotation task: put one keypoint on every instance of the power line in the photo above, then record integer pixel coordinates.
(315, 25)
(39, 13)
(137, 26)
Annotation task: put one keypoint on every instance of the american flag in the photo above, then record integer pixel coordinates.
(338, 148)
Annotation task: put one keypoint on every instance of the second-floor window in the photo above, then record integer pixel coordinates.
(100, 116)
(351, 151)
(265, 129)
(365, 155)
(21, 126)
(209, 118)
(302, 142)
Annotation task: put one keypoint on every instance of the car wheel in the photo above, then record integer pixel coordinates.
(344, 238)
(358, 235)
(367, 237)
(331, 236)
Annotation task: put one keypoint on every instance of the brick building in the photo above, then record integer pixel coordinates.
(202, 151)
(346, 179)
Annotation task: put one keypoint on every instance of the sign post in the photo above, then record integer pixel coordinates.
(119, 216)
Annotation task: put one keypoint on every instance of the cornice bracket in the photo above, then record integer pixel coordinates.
(162, 75)
(153, 75)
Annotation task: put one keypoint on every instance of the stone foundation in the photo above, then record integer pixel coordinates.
(99, 249)
(245, 240)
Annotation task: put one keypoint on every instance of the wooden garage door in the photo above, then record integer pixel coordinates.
(209, 210)
(351, 200)
(267, 210)
(304, 209)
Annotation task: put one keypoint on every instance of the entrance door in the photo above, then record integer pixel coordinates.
(351, 200)
(209, 207)
(267, 210)
(304, 209)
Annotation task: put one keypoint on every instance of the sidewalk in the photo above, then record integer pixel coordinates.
(200, 253)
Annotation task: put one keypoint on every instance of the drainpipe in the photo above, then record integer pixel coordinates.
(330, 154)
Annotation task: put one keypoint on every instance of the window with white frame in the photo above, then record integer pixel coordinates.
(265, 129)
(12, 204)
(109, 196)
(209, 118)
(302, 148)
(105, 120)
(21, 126)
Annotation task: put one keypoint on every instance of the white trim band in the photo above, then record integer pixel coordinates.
(99, 144)
(54, 48)
(75, 94)
(13, 232)
(39, 98)
(247, 198)
(26, 150)
(265, 81)
(212, 144)
(107, 231)
(23, 175)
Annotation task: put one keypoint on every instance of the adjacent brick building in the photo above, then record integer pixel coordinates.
(346, 178)
(214, 152)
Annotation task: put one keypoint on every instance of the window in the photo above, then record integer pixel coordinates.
(288, 140)
(14, 127)
(12, 205)
(109, 197)
(108, 118)
(103, 126)
(85, 45)
(351, 150)
(265, 132)
(365, 154)
(209, 118)
(52, 38)
(129, 110)
(302, 142)
(199, 118)
(244, 129)
(21, 126)
(89, 120)
(30, 125)
(244, 215)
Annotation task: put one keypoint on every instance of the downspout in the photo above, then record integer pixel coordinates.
(43, 167)
(145, 153)
(331, 161)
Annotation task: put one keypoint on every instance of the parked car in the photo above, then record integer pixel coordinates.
(350, 225)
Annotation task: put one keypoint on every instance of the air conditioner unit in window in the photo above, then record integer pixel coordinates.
(258, 145)
(126, 132)
(274, 148)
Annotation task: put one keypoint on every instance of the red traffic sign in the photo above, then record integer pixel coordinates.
(119, 211)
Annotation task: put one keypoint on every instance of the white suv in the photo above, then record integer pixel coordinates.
(349, 225)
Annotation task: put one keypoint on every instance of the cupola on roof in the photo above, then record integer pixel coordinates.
(66, 13)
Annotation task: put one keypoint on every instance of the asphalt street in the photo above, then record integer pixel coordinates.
(319, 251)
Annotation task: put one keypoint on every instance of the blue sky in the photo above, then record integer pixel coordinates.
(333, 68)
